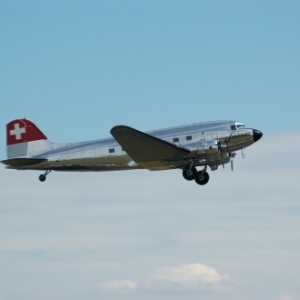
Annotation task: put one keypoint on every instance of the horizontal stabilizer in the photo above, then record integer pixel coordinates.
(142, 147)
(23, 161)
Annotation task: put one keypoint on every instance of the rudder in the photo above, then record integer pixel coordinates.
(24, 139)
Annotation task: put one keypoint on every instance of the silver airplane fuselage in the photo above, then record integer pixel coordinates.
(206, 144)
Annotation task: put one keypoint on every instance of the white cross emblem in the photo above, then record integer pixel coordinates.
(17, 131)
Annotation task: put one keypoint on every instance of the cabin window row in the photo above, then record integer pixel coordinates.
(187, 138)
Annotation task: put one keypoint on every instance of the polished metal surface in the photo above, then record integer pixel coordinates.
(200, 144)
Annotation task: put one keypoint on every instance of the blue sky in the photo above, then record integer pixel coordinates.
(78, 68)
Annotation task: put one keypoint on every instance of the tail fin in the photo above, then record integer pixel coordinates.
(24, 139)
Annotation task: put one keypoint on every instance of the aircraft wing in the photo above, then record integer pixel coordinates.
(144, 148)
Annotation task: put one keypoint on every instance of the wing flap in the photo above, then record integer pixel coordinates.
(143, 148)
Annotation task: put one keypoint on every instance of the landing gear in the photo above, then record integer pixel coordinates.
(43, 177)
(202, 177)
(189, 174)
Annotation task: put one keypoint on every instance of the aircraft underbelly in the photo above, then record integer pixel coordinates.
(106, 163)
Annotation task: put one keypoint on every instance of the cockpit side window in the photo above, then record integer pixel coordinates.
(240, 126)
(233, 127)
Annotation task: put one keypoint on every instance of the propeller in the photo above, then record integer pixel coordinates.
(220, 151)
(232, 155)
(243, 154)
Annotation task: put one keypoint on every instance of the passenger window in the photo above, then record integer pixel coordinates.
(233, 127)
(189, 138)
(176, 140)
(111, 150)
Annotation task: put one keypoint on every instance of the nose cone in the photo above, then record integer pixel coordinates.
(256, 135)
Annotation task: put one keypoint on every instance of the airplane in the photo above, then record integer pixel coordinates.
(206, 144)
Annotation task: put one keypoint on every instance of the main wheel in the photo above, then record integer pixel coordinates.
(42, 177)
(189, 175)
(202, 178)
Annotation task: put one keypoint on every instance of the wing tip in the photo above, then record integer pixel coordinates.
(118, 128)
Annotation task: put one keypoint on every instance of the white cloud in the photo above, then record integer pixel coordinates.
(189, 274)
(285, 297)
(118, 285)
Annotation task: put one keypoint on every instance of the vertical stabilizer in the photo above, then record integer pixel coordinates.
(24, 139)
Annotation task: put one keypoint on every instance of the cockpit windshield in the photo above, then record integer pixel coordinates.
(237, 126)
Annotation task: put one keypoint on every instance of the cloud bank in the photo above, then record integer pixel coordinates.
(189, 274)
(118, 285)
(152, 235)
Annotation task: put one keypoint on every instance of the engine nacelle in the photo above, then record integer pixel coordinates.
(208, 147)
(213, 152)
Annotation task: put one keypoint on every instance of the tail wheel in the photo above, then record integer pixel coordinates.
(42, 177)
(189, 175)
(202, 178)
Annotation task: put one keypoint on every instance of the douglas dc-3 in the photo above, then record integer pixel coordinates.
(183, 147)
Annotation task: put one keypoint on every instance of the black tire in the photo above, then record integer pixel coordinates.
(42, 177)
(202, 178)
(189, 176)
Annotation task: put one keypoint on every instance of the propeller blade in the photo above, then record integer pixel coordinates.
(243, 154)
(220, 151)
(232, 155)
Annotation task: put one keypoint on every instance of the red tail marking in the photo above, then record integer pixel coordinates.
(21, 131)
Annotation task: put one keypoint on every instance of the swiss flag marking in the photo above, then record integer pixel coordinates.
(17, 131)
(22, 131)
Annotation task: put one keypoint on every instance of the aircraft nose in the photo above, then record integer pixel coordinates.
(256, 135)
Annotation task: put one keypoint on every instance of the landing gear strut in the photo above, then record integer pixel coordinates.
(43, 177)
